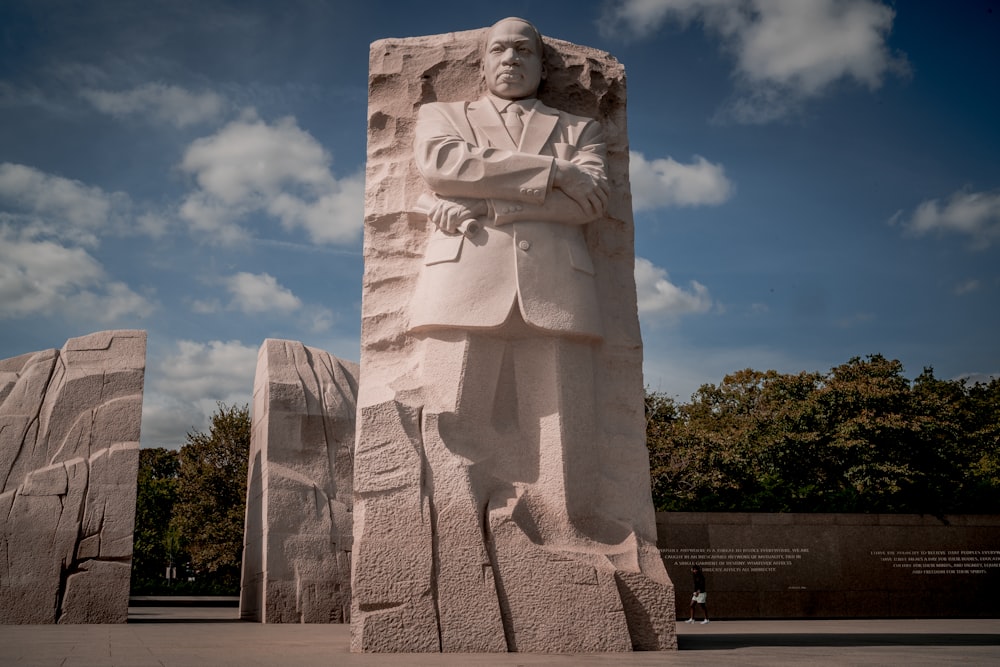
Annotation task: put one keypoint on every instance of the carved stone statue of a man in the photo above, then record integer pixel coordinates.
(508, 313)
(507, 327)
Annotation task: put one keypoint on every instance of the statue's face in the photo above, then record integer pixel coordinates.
(512, 63)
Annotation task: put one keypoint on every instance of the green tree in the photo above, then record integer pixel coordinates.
(868, 403)
(211, 497)
(156, 493)
(671, 464)
(982, 487)
(784, 443)
(940, 448)
(861, 438)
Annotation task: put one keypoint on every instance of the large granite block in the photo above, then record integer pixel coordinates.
(297, 554)
(69, 457)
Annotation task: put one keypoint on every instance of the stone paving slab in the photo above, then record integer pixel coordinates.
(181, 637)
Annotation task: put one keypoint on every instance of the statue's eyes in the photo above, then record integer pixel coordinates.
(522, 50)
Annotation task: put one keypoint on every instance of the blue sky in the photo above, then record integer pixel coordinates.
(812, 180)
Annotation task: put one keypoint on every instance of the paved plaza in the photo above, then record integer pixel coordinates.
(181, 636)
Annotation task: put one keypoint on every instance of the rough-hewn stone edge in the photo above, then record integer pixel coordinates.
(104, 534)
(262, 598)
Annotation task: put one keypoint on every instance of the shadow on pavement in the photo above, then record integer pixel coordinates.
(725, 642)
(134, 619)
(183, 615)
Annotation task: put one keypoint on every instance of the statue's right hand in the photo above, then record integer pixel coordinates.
(448, 214)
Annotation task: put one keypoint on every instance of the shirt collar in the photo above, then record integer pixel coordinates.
(500, 104)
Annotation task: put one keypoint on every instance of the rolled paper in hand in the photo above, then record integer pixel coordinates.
(425, 204)
(468, 227)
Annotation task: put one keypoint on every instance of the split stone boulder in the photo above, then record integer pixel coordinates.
(297, 551)
(69, 459)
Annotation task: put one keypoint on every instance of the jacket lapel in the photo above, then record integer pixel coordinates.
(538, 126)
(483, 116)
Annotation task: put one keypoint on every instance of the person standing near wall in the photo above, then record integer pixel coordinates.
(700, 596)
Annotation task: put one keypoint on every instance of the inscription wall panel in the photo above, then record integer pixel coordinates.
(835, 565)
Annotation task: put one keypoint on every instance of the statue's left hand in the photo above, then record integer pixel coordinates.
(587, 187)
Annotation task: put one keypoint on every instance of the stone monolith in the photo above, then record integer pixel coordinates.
(69, 458)
(297, 549)
(501, 474)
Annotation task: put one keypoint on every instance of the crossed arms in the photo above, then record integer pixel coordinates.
(470, 181)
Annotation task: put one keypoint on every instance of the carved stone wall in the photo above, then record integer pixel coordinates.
(69, 458)
(425, 578)
(296, 557)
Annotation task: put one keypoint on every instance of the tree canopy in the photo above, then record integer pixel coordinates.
(860, 438)
(156, 494)
(211, 494)
(190, 508)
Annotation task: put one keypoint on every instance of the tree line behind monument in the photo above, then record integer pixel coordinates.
(860, 438)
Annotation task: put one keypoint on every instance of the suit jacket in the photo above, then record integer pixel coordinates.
(531, 249)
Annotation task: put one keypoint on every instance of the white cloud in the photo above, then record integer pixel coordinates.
(335, 217)
(786, 51)
(159, 102)
(212, 371)
(184, 387)
(153, 225)
(977, 378)
(111, 302)
(206, 306)
(260, 293)
(974, 214)
(210, 217)
(56, 205)
(40, 277)
(967, 287)
(665, 182)
(658, 296)
(47, 223)
(250, 166)
(36, 276)
(319, 319)
(47, 205)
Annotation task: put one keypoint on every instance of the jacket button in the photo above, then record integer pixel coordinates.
(523, 245)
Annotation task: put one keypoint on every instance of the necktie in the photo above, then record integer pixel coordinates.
(512, 121)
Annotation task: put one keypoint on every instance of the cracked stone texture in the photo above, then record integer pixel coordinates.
(445, 557)
(297, 550)
(69, 458)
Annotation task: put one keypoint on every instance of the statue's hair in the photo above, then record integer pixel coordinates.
(534, 30)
